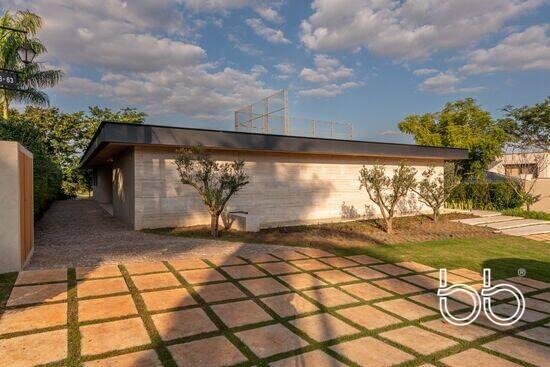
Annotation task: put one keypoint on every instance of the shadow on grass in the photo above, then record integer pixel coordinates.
(509, 267)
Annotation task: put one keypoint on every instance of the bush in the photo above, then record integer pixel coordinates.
(47, 175)
(517, 212)
(484, 195)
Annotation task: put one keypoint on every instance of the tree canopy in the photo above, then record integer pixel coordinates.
(461, 124)
(530, 125)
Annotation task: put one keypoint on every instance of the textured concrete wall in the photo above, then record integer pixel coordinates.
(10, 250)
(283, 189)
(124, 186)
(103, 190)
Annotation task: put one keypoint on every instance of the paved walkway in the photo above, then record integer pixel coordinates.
(292, 308)
(81, 233)
(535, 229)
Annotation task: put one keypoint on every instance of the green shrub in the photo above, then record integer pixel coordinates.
(517, 212)
(484, 195)
(47, 175)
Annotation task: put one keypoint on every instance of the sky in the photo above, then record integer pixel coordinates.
(365, 62)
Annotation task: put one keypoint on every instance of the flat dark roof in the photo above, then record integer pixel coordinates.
(112, 137)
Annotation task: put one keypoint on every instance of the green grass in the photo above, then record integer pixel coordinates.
(527, 214)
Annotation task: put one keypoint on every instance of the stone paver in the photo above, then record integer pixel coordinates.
(366, 273)
(330, 297)
(536, 304)
(365, 291)
(143, 268)
(310, 264)
(240, 313)
(406, 309)
(364, 259)
(414, 266)
(226, 260)
(260, 258)
(34, 349)
(323, 327)
(263, 286)
(301, 281)
(432, 300)
(335, 276)
(521, 349)
(170, 298)
(41, 276)
(155, 281)
(179, 324)
(368, 317)
(533, 283)
(278, 268)
(543, 296)
(397, 286)
(104, 308)
(391, 269)
(188, 264)
(474, 357)
(540, 333)
(30, 294)
(467, 332)
(286, 305)
(270, 340)
(467, 273)
(508, 310)
(339, 262)
(146, 358)
(98, 272)
(101, 287)
(315, 358)
(289, 255)
(422, 281)
(484, 220)
(514, 223)
(211, 352)
(419, 340)
(314, 252)
(243, 271)
(202, 276)
(107, 336)
(219, 292)
(529, 230)
(451, 277)
(33, 317)
(371, 352)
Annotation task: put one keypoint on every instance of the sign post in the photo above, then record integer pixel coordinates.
(8, 79)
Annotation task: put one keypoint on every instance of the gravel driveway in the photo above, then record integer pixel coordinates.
(80, 233)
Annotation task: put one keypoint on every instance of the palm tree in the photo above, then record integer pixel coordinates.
(31, 76)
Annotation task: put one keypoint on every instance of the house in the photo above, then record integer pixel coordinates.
(293, 180)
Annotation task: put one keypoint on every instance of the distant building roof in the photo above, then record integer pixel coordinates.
(111, 138)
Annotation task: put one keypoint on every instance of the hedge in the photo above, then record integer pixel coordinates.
(47, 175)
(484, 195)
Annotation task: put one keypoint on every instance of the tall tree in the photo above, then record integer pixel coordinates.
(460, 124)
(31, 77)
(530, 125)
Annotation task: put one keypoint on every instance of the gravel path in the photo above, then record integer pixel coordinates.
(81, 233)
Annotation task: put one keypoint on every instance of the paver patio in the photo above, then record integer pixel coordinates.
(248, 311)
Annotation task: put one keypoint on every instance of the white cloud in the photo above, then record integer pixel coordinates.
(446, 83)
(425, 71)
(204, 5)
(240, 45)
(326, 70)
(526, 50)
(270, 34)
(328, 90)
(269, 14)
(81, 86)
(408, 29)
(285, 68)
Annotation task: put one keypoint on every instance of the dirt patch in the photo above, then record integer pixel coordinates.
(350, 234)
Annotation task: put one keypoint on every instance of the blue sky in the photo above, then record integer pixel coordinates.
(366, 62)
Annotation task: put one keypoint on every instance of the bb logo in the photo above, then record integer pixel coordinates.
(480, 301)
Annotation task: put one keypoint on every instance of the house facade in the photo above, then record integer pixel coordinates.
(293, 180)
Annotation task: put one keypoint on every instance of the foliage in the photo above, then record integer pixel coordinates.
(386, 192)
(67, 135)
(31, 77)
(47, 175)
(215, 182)
(481, 194)
(531, 214)
(434, 189)
(530, 125)
(461, 124)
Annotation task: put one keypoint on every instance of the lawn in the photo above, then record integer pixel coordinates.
(445, 244)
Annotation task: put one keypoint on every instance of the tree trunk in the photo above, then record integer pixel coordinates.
(214, 225)
(389, 225)
(5, 107)
(436, 215)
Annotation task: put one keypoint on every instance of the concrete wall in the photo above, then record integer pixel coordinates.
(124, 186)
(283, 189)
(103, 188)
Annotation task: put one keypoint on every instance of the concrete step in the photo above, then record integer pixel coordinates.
(515, 224)
(529, 230)
(484, 220)
(485, 213)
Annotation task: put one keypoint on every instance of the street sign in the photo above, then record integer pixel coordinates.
(8, 79)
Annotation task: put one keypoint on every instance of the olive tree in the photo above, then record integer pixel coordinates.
(435, 188)
(215, 182)
(386, 192)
